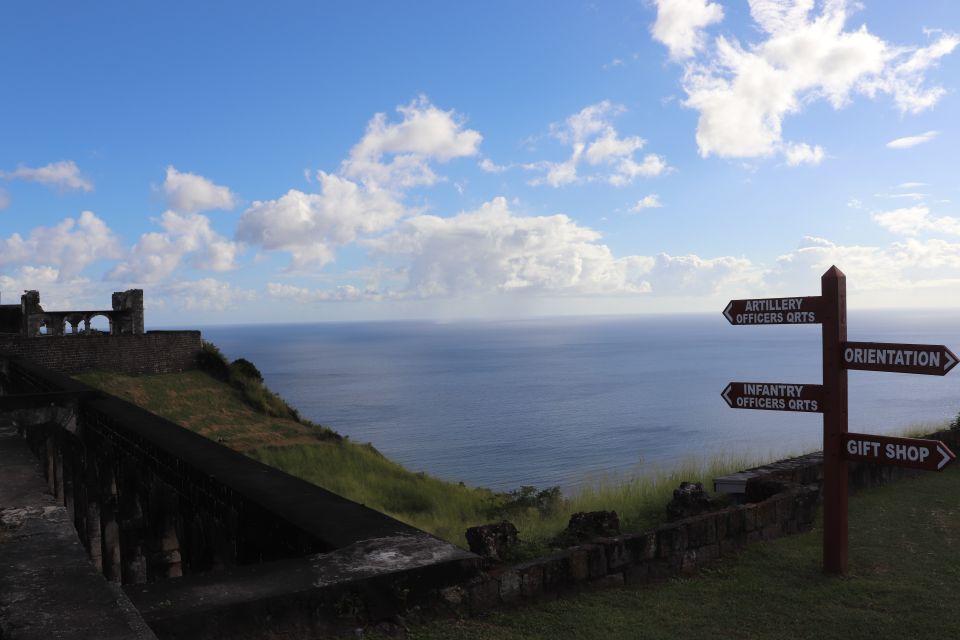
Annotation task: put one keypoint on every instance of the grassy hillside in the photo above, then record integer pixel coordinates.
(236, 409)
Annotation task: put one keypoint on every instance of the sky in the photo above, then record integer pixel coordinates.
(314, 161)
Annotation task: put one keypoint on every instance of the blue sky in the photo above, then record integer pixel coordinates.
(304, 161)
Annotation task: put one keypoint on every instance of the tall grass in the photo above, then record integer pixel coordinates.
(447, 509)
(362, 474)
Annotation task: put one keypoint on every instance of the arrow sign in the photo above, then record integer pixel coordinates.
(774, 311)
(927, 359)
(915, 453)
(771, 396)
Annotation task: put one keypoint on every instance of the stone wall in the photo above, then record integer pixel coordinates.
(676, 548)
(151, 352)
(670, 550)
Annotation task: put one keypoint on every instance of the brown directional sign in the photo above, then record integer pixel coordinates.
(774, 396)
(931, 455)
(928, 359)
(798, 310)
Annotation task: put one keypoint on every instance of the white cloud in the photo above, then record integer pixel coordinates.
(63, 175)
(855, 203)
(310, 226)
(70, 246)
(911, 185)
(366, 195)
(341, 293)
(156, 256)
(901, 268)
(611, 148)
(4, 199)
(493, 251)
(798, 154)
(190, 193)
(680, 25)
(912, 141)
(594, 140)
(424, 133)
(910, 221)
(489, 166)
(207, 294)
(56, 291)
(651, 201)
(744, 92)
(912, 195)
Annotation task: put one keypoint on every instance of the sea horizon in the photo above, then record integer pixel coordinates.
(569, 400)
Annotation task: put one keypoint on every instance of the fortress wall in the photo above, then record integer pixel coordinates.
(151, 352)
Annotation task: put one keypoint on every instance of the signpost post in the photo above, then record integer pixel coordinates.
(829, 309)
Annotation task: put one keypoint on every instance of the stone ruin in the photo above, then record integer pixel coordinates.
(30, 320)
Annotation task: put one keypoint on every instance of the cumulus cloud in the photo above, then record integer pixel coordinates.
(366, 195)
(424, 133)
(489, 166)
(62, 175)
(798, 154)
(70, 246)
(680, 25)
(651, 201)
(912, 141)
(744, 92)
(156, 256)
(493, 251)
(594, 141)
(911, 221)
(57, 291)
(190, 193)
(310, 226)
(902, 266)
(207, 294)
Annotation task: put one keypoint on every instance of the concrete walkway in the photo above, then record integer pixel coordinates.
(49, 589)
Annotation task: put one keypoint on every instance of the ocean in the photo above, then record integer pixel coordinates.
(563, 401)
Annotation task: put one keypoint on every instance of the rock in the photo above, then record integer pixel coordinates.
(689, 500)
(759, 489)
(587, 525)
(492, 540)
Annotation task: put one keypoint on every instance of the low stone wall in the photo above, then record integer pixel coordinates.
(673, 549)
(151, 352)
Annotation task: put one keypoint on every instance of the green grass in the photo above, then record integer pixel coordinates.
(225, 412)
(902, 583)
(247, 416)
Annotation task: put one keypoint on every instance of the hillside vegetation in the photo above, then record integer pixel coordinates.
(228, 403)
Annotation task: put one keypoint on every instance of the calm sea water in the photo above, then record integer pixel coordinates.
(563, 401)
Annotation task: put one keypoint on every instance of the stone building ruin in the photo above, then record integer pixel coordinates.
(30, 320)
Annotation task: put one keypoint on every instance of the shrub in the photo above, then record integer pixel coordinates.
(212, 360)
(246, 369)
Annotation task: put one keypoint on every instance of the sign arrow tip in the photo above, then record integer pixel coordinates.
(946, 457)
(726, 394)
(951, 360)
(726, 312)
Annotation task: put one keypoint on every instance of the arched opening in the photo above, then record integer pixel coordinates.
(44, 328)
(98, 324)
(73, 325)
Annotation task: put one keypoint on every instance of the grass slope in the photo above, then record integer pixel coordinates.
(248, 417)
(903, 580)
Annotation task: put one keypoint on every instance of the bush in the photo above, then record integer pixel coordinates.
(955, 424)
(212, 360)
(246, 369)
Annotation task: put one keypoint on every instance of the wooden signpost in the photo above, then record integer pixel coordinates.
(829, 309)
